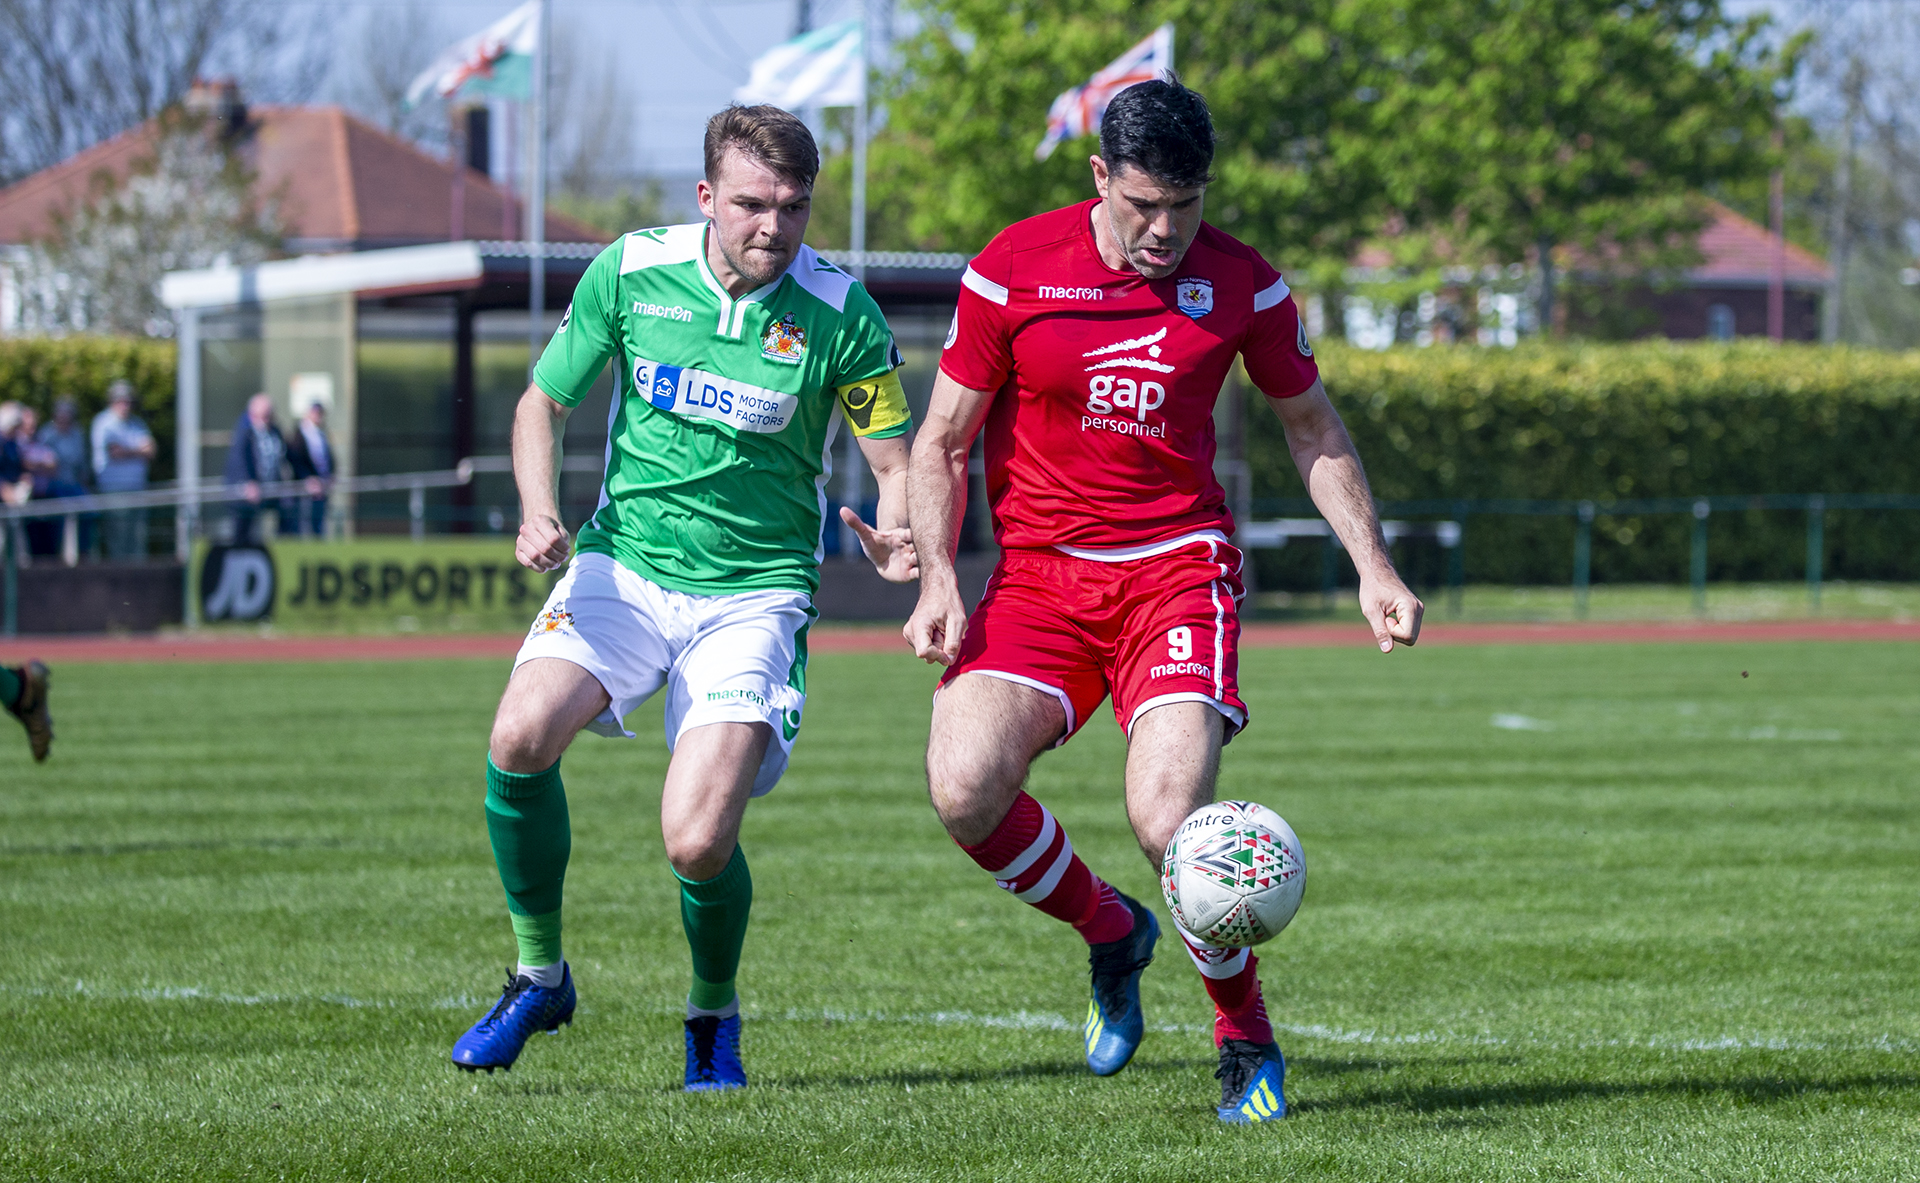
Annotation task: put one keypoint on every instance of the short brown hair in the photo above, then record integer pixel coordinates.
(775, 138)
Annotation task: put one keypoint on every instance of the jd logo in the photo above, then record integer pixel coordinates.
(236, 583)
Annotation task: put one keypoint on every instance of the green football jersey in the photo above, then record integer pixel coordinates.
(724, 410)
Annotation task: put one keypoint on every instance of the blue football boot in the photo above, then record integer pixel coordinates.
(1114, 1022)
(1251, 1077)
(713, 1054)
(495, 1041)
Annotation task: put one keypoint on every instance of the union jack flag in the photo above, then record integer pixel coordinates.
(1077, 111)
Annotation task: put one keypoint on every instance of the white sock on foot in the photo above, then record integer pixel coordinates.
(725, 1012)
(545, 976)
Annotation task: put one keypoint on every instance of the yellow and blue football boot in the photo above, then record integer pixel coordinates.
(713, 1054)
(1252, 1076)
(1114, 1022)
(495, 1041)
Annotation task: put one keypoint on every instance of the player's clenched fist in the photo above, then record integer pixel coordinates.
(938, 623)
(1391, 610)
(543, 544)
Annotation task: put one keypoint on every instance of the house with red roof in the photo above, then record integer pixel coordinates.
(1726, 295)
(1722, 297)
(339, 183)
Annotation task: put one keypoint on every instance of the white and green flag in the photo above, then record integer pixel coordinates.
(824, 68)
(496, 62)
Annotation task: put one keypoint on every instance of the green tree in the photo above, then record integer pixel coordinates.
(1292, 88)
(189, 203)
(1533, 124)
(1498, 129)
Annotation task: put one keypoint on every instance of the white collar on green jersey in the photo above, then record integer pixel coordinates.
(683, 244)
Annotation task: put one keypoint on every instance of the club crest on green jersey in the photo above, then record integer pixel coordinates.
(785, 340)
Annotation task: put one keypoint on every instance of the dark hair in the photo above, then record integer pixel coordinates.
(769, 135)
(1161, 128)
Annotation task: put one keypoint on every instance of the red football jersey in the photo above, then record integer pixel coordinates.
(1101, 430)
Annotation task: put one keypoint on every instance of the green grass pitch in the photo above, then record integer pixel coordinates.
(1572, 913)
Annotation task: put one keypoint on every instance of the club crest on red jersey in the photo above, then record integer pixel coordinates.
(1194, 296)
(785, 340)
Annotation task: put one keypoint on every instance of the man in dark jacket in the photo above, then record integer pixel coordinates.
(310, 453)
(257, 457)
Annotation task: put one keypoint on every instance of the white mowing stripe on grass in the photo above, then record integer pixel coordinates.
(1025, 1020)
(1032, 1020)
(80, 989)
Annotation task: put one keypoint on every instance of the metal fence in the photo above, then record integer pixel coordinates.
(188, 506)
(1450, 533)
(1444, 522)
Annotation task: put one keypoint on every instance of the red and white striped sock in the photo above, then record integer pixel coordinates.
(1030, 856)
(1239, 1009)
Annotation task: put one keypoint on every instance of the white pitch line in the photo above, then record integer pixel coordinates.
(1025, 1020)
(1031, 1020)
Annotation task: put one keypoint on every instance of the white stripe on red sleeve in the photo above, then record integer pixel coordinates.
(1276, 292)
(987, 289)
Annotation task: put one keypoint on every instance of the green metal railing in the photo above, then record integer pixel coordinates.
(1584, 512)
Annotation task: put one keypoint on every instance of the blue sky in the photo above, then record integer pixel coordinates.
(679, 60)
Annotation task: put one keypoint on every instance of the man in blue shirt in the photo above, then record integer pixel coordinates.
(122, 450)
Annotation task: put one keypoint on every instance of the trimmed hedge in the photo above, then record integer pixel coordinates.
(38, 370)
(1606, 421)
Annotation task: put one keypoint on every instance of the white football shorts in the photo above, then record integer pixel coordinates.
(739, 658)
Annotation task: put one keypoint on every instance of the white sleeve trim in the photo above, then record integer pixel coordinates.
(982, 286)
(1273, 295)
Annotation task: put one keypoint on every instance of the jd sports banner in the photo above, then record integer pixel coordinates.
(374, 584)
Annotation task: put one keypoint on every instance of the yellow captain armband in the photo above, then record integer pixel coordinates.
(876, 406)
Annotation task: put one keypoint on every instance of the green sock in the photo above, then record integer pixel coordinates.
(11, 684)
(527, 820)
(714, 913)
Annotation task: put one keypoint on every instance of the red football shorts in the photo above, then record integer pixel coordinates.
(1149, 631)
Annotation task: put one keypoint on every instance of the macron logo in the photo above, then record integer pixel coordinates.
(1181, 667)
(668, 311)
(1048, 292)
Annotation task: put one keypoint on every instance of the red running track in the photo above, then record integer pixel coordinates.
(228, 647)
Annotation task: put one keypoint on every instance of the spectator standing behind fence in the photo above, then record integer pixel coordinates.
(122, 450)
(257, 457)
(42, 465)
(15, 485)
(62, 469)
(310, 455)
(68, 443)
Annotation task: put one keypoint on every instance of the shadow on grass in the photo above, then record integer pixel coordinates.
(1065, 1068)
(1525, 1094)
(936, 1076)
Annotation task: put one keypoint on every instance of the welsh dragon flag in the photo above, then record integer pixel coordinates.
(496, 61)
(1077, 112)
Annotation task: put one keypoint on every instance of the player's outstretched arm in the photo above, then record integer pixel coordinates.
(539, 423)
(888, 542)
(1330, 467)
(936, 497)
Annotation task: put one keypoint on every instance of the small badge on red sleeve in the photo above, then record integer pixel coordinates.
(1306, 350)
(953, 330)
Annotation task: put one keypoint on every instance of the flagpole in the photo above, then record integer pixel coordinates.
(537, 198)
(858, 236)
